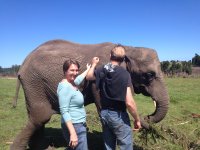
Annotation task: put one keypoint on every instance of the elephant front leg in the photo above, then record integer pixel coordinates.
(96, 97)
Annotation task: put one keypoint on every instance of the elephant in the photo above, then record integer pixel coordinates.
(41, 72)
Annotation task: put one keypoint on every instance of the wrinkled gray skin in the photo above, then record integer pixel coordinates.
(41, 72)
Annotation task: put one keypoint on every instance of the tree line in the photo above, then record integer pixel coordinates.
(12, 71)
(180, 67)
(171, 68)
(168, 67)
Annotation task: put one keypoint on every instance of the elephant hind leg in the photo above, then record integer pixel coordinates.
(21, 140)
(40, 117)
(33, 133)
(37, 140)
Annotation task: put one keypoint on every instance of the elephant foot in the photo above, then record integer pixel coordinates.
(38, 141)
(16, 146)
(41, 145)
(19, 143)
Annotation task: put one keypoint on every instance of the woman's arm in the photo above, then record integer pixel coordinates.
(81, 77)
(64, 93)
(73, 136)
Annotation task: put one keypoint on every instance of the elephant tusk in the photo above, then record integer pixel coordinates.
(154, 102)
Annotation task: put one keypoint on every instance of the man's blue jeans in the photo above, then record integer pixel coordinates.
(116, 130)
(81, 132)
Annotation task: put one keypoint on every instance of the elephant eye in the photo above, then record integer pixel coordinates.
(143, 78)
(150, 76)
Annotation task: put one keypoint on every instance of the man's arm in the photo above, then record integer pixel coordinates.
(90, 75)
(131, 106)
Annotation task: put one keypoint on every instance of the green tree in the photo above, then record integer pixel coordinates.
(173, 67)
(15, 69)
(178, 67)
(196, 60)
(1, 69)
(165, 65)
(187, 67)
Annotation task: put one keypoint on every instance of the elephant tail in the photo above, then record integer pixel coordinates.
(14, 104)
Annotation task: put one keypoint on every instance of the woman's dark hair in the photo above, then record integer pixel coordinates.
(67, 64)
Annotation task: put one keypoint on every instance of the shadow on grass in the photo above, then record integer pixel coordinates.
(54, 139)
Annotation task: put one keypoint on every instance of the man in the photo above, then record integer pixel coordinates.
(114, 84)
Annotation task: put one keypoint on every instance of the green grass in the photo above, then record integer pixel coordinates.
(176, 132)
(12, 120)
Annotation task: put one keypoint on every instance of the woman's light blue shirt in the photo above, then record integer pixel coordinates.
(71, 102)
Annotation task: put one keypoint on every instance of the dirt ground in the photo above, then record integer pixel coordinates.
(196, 70)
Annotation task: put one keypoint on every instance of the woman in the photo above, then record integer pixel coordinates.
(71, 103)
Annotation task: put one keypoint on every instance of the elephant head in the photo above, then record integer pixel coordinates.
(144, 67)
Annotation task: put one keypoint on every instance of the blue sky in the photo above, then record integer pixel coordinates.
(171, 27)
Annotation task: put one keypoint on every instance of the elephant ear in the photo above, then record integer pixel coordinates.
(131, 65)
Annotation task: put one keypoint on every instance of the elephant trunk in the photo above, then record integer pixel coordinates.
(161, 97)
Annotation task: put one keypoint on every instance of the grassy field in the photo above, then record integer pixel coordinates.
(179, 130)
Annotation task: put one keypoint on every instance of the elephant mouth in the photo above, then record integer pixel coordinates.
(141, 90)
